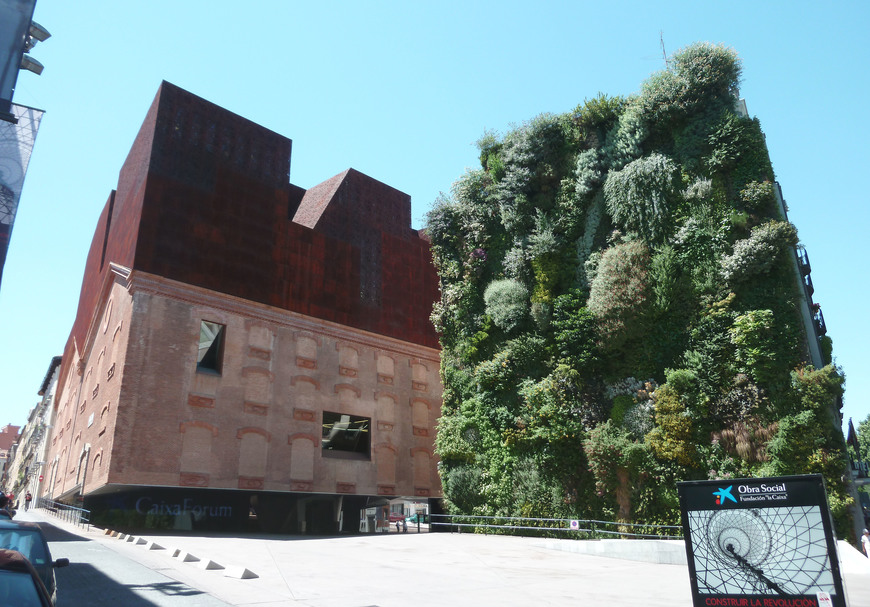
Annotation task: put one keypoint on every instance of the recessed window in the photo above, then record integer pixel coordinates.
(211, 347)
(348, 435)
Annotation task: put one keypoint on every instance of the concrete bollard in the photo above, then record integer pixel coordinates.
(208, 564)
(186, 557)
(240, 573)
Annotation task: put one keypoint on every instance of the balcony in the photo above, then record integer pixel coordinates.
(819, 320)
(803, 261)
(808, 285)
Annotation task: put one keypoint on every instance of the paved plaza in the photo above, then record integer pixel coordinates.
(422, 570)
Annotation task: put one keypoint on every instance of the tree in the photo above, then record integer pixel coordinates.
(863, 431)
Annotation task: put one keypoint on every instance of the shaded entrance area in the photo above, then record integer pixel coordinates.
(206, 510)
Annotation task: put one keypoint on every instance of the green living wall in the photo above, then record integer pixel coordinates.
(619, 310)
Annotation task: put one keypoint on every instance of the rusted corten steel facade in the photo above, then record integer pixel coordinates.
(322, 299)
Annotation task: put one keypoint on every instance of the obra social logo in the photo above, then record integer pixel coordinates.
(724, 494)
(751, 493)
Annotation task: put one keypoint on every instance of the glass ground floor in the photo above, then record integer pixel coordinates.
(207, 510)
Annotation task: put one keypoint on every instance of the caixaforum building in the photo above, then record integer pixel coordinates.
(244, 347)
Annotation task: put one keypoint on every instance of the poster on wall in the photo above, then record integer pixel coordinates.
(760, 542)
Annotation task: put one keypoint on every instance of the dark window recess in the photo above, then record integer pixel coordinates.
(348, 434)
(211, 347)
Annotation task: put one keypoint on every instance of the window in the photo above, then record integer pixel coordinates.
(347, 435)
(211, 347)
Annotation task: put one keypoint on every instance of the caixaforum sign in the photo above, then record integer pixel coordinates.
(763, 542)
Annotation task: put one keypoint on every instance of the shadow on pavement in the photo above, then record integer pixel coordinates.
(82, 585)
(56, 534)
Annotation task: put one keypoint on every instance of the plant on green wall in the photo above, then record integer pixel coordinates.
(642, 196)
(757, 254)
(620, 293)
(507, 303)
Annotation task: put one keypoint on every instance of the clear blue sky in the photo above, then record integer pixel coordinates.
(401, 91)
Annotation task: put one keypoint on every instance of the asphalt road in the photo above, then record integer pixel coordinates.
(98, 575)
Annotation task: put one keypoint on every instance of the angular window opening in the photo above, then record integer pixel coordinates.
(346, 435)
(211, 347)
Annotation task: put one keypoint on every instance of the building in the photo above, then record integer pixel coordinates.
(8, 437)
(26, 471)
(245, 349)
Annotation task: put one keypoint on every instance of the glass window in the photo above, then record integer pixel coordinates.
(346, 434)
(28, 543)
(211, 346)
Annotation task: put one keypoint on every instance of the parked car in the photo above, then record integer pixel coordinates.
(20, 584)
(27, 538)
(396, 516)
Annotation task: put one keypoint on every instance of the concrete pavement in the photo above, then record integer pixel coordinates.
(423, 570)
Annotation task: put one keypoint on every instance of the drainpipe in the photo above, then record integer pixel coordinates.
(86, 455)
(53, 480)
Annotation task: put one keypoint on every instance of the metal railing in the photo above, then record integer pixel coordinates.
(558, 527)
(65, 512)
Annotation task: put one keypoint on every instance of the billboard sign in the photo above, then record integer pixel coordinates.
(760, 542)
(16, 145)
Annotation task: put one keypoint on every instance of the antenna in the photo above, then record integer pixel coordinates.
(662, 40)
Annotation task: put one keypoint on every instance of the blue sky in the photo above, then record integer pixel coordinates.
(401, 91)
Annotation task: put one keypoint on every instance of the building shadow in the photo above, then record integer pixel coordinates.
(82, 585)
(56, 534)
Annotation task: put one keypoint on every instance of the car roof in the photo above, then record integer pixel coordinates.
(10, 524)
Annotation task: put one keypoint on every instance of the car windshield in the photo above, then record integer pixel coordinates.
(17, 588)
(27, 542)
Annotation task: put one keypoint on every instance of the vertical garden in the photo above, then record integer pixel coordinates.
(619, 310)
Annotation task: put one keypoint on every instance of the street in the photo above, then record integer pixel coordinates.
(98, 575)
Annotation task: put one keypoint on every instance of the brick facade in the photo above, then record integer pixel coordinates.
(324, 296)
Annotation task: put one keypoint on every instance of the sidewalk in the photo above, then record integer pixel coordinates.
(397, 570)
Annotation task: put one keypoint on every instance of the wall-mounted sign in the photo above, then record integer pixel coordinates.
(181, 509)
(760, 542)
